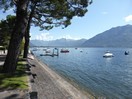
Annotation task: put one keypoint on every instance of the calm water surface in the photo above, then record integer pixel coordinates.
(103, 77)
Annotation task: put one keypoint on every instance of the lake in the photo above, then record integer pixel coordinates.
(109, 78)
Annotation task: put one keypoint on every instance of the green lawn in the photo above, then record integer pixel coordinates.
(19, 80)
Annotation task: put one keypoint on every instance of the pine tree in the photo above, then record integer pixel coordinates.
(43, 13)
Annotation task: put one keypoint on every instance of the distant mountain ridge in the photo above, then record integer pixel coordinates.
(59, 42)
(120, 36)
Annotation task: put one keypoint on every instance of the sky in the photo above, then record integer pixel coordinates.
(102, 15)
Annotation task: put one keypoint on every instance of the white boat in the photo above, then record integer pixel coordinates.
(108, 54)
(47, 51)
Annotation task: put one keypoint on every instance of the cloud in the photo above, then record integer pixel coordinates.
(48, 37)
(128, 18)
(69, 37)
(44, 36)
(104, 13)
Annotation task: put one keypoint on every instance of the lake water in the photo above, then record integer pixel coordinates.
(104, 77)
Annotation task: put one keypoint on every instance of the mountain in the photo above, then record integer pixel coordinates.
(120, 36)
(58, 42)
(30, 44)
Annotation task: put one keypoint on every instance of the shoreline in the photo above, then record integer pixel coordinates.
(78, 86)
(71, 81)
(64, 84)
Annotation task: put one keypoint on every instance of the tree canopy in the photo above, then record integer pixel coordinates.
(51, 13)
(43, 13)
(6, 27)
(54, 13)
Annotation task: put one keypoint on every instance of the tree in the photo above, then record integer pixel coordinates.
(54, 13)
(46, 14)
(6, 27)
(27, 34)
(17, 35)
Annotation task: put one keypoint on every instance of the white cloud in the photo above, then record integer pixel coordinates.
(128, 18)
(48, 37)
(69, 37)
(104, 13)
(44, 36)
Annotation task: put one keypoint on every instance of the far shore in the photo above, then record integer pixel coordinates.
(63, 84)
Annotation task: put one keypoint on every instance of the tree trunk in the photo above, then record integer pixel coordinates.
(26, 45)
(27, 34)
(16, 37)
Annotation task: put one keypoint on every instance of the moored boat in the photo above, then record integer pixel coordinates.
(108, 54)
(47, 51)
(126, 52)
(64, 51)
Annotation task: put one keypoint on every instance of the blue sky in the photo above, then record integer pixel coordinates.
(101, 16)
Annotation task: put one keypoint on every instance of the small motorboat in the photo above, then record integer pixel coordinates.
(64, 51)
(47, 51)
(108, 54)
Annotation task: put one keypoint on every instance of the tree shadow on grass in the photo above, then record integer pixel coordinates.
(10, 86)
(16, 80)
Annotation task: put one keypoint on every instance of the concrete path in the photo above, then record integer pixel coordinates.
(47, 84)
(42, 85)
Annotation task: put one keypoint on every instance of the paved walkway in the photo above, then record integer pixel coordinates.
(46, 84)
(42, 84)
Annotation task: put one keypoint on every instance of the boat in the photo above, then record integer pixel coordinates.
(64, 50)
(108, 54)
(47, 51)
(81, 51)
(126, 53)
(35, 49)
(53, 53)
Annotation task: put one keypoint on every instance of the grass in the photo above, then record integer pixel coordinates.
(18, 80)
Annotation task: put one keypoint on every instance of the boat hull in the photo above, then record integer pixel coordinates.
(108, 55)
